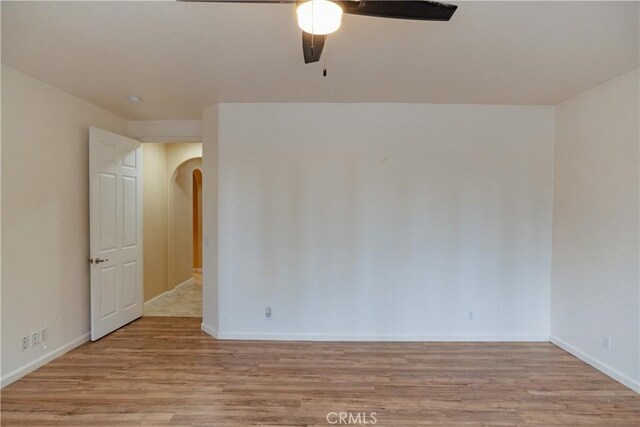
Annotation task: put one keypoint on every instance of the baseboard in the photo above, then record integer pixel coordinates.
(185, 283)
(602, 367)
(43, 360)
(378, 337)
(209, 330)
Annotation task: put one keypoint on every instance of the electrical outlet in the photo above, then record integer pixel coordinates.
(606, 342)
(470, 315)
(24, 343)
(44, 334)
(267, 313)
(35, 338)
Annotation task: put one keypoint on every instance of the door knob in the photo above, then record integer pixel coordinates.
(98, 260)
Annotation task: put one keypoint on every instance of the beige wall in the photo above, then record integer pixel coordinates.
(178, 153)
(45, 216)
(595, 283)
(168, 214)
(155, 219)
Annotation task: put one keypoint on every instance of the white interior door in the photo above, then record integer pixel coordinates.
(115, 173)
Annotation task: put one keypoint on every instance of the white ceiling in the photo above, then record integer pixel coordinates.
(183, 57)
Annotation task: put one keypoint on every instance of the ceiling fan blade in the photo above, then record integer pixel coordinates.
(400, 9)
(425, 10)
(239, 1)
(312, 47)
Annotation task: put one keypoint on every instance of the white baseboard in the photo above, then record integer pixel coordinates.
(169, 292)
(209, 330)
(43, 360)
(602, 367)
(376, 337)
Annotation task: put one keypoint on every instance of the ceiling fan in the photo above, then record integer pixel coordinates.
(318, 18)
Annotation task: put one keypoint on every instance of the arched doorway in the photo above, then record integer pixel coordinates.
(185, 230)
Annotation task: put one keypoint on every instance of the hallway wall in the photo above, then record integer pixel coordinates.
(156, 276)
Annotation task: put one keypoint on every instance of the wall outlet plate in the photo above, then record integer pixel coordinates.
(606, 342)
(35, 338)
(44, 334)
(267, 312)
(24, 343)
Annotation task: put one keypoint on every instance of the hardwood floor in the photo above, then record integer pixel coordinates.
(165, 371)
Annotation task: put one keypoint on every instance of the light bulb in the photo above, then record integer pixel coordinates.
(319, 17)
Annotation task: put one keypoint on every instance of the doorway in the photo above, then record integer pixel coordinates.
(197, 224)
(172, 200)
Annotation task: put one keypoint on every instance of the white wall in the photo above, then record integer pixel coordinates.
(382, 221)
(45, 217)
(210, 220)
(595, 285)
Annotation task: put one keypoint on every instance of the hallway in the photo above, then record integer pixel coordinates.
(184, 301)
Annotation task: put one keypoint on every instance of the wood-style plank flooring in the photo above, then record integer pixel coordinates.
(165, 371)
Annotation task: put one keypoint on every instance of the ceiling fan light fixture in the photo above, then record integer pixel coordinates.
(319, 17)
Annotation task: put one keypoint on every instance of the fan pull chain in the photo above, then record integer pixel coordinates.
(313, 55)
